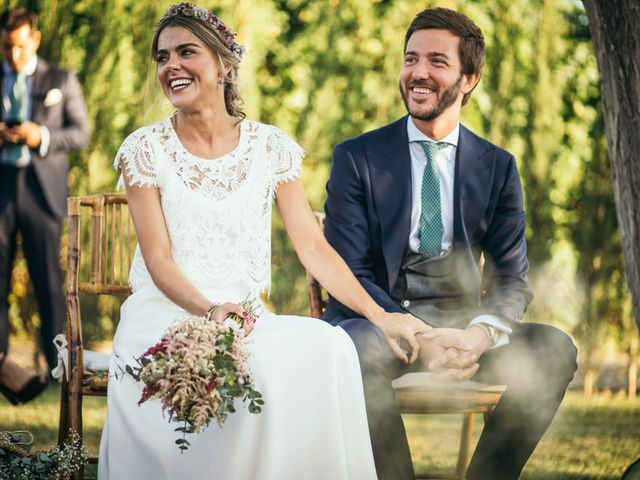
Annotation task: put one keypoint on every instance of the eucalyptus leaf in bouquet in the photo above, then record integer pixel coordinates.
(197, 370)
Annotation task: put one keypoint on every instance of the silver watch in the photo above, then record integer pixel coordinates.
(494, 333)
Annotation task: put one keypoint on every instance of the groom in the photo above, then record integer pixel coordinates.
(413, 207)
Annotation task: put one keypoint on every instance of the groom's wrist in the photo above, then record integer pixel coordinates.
(481, 338)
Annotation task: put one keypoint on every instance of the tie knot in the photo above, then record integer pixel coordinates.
(431, 148)
(21, 76)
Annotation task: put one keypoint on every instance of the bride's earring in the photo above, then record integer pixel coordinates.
(220, 82)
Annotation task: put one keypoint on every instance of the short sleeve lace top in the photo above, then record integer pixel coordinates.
(217, 212)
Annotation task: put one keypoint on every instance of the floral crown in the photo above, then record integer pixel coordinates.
(186, 9)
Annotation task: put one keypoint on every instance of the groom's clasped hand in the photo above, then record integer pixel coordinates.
(450, 354)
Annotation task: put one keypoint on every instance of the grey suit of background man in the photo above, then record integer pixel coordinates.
(411, 207)
(43, 116)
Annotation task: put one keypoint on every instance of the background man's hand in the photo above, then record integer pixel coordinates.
(28, 133)
(6, 134)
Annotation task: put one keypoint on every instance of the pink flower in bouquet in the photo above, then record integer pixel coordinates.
(198, 369)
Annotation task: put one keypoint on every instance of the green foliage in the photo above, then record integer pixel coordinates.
(327, 70)
(18, 462)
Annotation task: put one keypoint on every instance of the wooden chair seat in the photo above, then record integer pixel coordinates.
(417, 393)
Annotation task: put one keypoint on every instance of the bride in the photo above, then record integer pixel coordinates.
(200, 187)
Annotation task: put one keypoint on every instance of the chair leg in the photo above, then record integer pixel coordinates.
(63, 423)
(75, 411)
(465, 442)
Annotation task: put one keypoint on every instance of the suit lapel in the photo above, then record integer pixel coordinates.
(390, 163)
(472, 185)
(38, 91)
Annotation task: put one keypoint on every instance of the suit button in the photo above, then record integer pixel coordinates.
(406, 303)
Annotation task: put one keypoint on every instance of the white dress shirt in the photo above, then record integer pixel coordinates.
(445, 159)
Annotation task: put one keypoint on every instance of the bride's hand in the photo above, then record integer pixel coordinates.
(223, 311)
(401, 328)
(248, 322)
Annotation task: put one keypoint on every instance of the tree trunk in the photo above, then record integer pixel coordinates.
(633, 367)
(615, 32)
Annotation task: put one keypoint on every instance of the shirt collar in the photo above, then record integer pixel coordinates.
(29, 69)
(416, 135)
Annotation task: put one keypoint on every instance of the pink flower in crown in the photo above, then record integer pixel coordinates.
(206, 16)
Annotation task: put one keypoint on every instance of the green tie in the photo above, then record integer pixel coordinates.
(431, 214)
(18, 154)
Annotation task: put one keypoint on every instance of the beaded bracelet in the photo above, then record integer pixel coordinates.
(212, 308)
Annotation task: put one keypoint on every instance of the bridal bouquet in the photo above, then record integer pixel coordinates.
(197, 369)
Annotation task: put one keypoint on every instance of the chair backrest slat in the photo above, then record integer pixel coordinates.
(114, 246)
(121, 253)
(111, 244)
(129, 234)
(97, 220)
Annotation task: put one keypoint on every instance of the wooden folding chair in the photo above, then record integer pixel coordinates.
(417, 394)
(99, 256)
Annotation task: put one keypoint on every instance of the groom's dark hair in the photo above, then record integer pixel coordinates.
(471, 38)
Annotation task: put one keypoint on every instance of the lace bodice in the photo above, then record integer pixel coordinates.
(217, 212)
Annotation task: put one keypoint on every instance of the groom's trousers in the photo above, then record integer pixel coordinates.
(536, 367)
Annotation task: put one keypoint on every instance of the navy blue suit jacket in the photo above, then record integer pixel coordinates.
(368, 218)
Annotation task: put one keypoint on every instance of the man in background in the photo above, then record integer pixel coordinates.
(42, 117)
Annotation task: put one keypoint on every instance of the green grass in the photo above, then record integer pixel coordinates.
(588, 440)
(41, 416)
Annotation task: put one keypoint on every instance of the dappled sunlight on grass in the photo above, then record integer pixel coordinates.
(588, 440)
(434, 440)
(595, 439)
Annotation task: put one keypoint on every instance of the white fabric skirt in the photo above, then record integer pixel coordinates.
(313, 425)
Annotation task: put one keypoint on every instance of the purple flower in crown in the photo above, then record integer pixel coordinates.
(190, 10)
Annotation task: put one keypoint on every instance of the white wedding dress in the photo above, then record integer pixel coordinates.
(218, 215)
